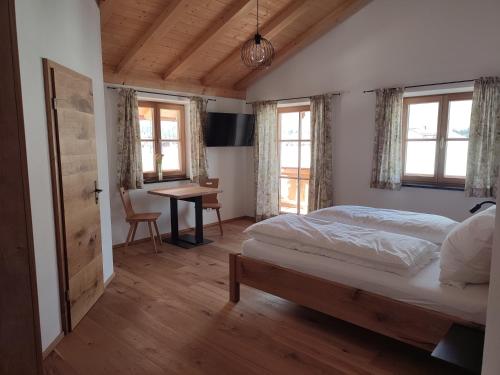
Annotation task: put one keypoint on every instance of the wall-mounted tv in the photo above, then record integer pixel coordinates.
(229, 129)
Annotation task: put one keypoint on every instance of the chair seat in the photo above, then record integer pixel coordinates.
(211, 205)
(147, 216)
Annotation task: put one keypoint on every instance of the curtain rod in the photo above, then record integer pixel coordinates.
(299, 97)
(428, 84)
(159, 93)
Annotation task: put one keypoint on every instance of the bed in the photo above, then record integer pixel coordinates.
(415, 309)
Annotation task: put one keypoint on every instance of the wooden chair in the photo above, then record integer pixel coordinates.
(211, 201)
(134, 219)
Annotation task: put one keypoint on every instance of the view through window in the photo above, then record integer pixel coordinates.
(295, 158)
(436, 138)
(162, 133)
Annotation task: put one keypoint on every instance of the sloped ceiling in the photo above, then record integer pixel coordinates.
(194, 45)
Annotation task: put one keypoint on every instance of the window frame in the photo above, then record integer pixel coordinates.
(157, 107)
(292, 109)
(439, 179)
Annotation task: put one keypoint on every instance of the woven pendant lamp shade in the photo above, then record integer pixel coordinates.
(258, 52)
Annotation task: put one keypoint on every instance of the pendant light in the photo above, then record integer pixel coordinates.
(257, 52)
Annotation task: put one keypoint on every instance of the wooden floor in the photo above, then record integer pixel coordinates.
(169, 314)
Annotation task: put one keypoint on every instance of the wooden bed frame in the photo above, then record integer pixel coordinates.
(411, 324)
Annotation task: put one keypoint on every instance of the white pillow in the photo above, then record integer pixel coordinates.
(466, 251)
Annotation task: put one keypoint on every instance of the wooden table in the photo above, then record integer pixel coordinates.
(189, 193)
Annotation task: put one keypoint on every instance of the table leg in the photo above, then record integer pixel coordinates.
(198, 207)
(174, 220)
(187, 241)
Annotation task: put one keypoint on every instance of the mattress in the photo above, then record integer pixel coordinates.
(422, 289)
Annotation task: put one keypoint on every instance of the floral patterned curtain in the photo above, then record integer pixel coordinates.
(197, 117)
(266, 160)
(320, 180)
(387, 150)
(483, 158)
(129, 141)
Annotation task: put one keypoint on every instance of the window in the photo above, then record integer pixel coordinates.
(436, 139)
(162, 132)
(294, 137)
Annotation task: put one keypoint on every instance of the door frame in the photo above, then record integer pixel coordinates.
(22, 272)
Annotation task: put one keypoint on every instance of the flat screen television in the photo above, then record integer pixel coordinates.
(229, 129)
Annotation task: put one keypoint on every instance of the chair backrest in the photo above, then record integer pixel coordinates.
(213, 183)
(127, 204)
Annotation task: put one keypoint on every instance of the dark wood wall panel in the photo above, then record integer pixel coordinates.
(20, 351)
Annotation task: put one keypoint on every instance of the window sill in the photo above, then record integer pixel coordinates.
(433, 187)
(165, 179)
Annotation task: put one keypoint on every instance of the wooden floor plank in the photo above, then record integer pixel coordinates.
(169, 313)
(54, 364)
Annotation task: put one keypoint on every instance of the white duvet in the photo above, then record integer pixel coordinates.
(428, 227)
(375, 248)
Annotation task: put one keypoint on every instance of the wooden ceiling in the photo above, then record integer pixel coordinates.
(194, 45)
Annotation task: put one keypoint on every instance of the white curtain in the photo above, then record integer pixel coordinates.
(129, 166)
(266, 160)
(320, 180)
(387, 149)
(483, 158)
(197, 116)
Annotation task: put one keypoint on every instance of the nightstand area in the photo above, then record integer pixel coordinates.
(463, 347)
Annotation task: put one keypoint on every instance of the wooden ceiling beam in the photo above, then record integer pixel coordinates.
(338, 15)
(155, 81)
(106, 8)
(268, 31)
(191, 54)
(162, 24)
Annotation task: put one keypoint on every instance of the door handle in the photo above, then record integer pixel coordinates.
(97, 191)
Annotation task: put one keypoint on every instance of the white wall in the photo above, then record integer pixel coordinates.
(389, 43)
(233, 165)
(67, 32)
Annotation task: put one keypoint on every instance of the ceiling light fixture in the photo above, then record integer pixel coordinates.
(258, 52)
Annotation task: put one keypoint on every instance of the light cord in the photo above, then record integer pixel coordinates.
(257, 16)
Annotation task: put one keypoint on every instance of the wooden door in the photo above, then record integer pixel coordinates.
(20, 348)
(72, 141)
